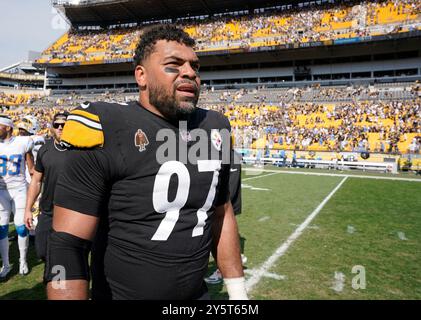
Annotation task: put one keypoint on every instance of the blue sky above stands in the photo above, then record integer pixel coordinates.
(27, 25)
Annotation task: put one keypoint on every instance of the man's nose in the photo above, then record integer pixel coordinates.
(188, 72)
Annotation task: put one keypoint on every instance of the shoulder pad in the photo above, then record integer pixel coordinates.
(83, 128)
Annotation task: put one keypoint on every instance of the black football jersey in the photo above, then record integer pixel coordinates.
(159, 212)
(50, 161)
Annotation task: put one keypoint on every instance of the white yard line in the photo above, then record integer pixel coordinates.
(260, 272)
(263, 218)
(267, 274)
(262, 176)
(333, 175)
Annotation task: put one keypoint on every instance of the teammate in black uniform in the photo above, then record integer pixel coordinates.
(48, 166)
(163, 216)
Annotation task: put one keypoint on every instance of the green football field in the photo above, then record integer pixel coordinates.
(312, 234)
(369, 226)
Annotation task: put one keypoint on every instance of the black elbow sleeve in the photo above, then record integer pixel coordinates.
(67, 257)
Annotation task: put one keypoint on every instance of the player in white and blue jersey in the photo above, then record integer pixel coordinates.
(29, 127)
(15, 155)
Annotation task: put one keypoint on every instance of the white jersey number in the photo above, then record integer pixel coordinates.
(172, 209)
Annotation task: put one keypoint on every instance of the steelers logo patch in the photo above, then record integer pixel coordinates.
(216, 139)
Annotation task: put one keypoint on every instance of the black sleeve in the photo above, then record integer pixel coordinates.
(38, 163)
(85, 182)
(224, 174)
(224, 192)
(235, 182)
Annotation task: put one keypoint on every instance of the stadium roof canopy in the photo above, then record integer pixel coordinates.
(108, 12)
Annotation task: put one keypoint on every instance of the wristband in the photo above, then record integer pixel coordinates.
(236, 288)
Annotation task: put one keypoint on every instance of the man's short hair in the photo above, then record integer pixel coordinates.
(60, 115)
(153, 34)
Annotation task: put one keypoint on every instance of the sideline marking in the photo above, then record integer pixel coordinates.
(266, 175)
(260, 272)
(331, 175)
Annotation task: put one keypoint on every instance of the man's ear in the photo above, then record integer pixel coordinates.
(140, 75)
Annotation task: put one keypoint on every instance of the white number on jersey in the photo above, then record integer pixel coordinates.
(172, 209)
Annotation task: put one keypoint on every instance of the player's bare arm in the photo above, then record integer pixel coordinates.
(227, 250)
(34, 190)
(30, 162)
(69, 225)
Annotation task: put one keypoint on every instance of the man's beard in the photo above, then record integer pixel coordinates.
(168, 105)
(56, 136)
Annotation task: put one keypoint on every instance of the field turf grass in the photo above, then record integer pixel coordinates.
(370, 229)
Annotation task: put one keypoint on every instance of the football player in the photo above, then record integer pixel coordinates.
(15, 155)
(163, 217)
(29, 127)
(48, 166)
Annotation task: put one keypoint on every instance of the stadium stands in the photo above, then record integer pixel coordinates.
(10, 99)
(323, 23)
(308, 116)
(362, 126)
(378, 118)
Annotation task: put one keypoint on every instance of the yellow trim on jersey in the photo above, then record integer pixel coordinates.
(79, 135)
(86, 114)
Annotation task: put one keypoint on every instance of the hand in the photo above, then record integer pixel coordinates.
(28, 219)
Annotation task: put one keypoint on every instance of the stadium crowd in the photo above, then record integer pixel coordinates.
(363, 126)
(315, 93)
(324, 22)
(355, 125)
(94, 45)
(44, 116)
(10, 99)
